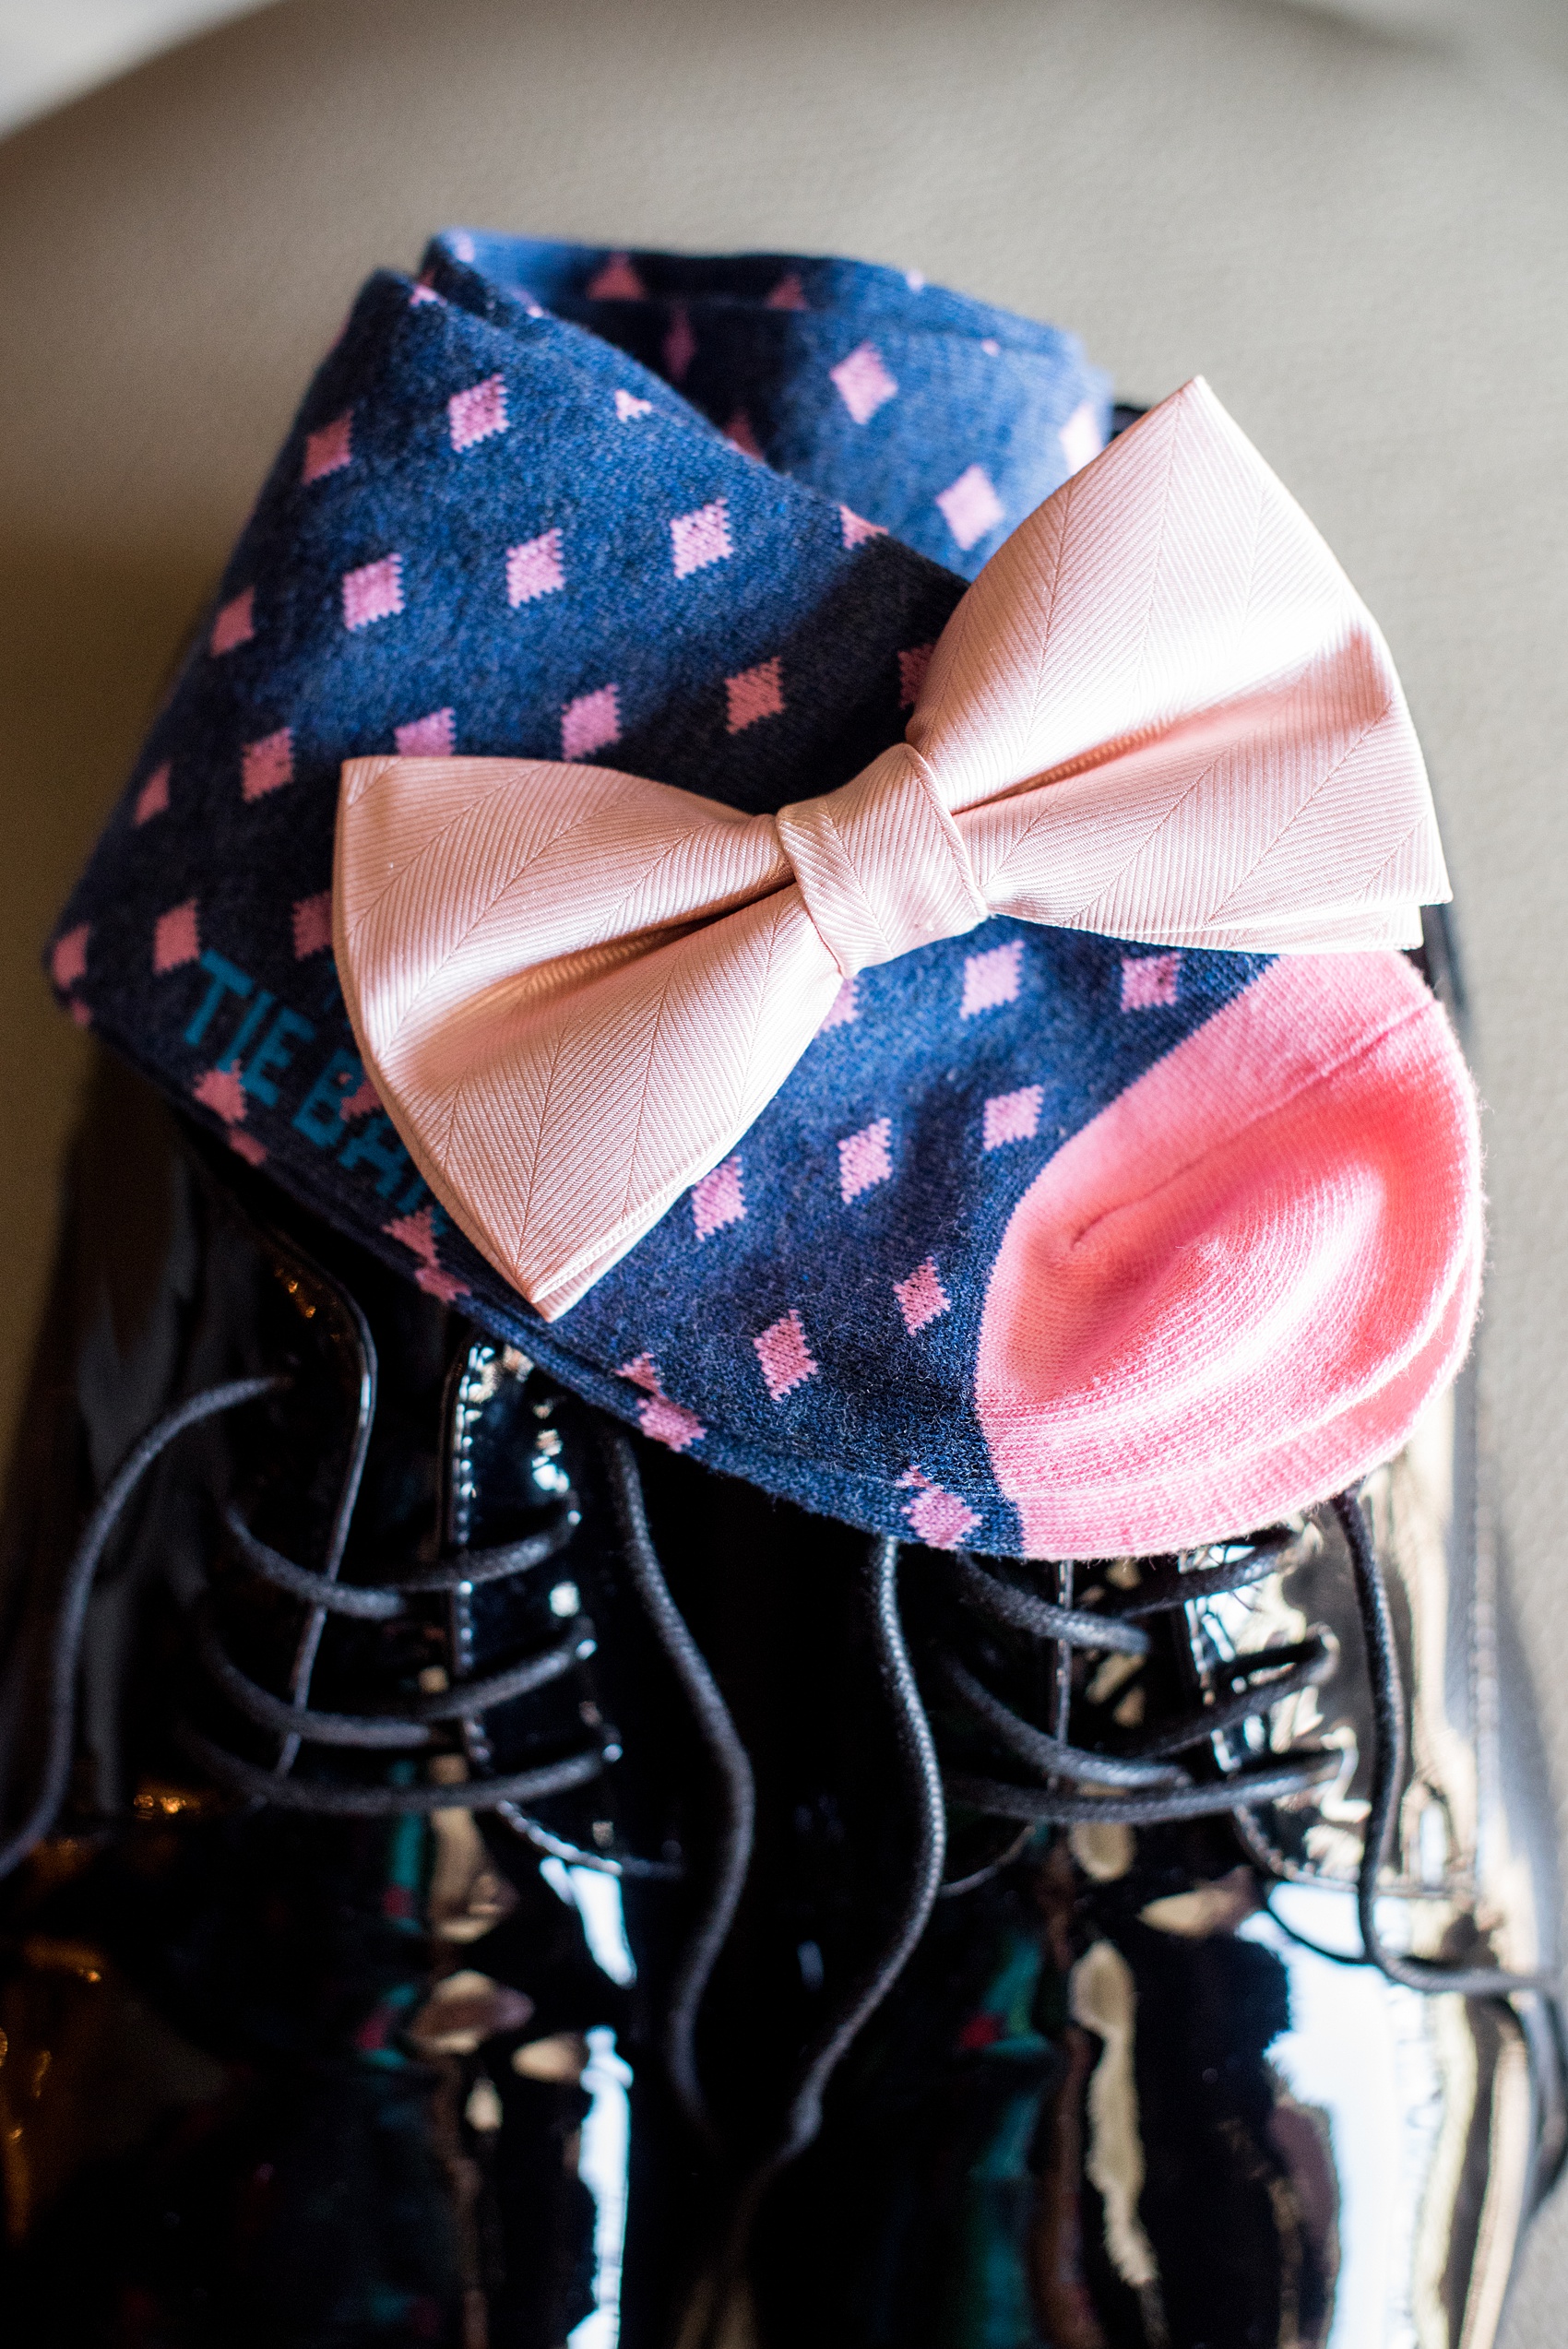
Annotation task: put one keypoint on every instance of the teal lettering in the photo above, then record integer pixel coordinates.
(240, 1042)
(377, 1143)
(319, 1115)
(274, 1052)
(226, 980)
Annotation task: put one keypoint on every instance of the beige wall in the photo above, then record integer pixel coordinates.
(1527, 29)
(55, 50)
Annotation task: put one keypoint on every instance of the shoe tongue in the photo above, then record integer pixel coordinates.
(508, 521)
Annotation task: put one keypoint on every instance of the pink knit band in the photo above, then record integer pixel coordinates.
(1234, 1289)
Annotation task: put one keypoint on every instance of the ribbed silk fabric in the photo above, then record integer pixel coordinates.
(1160, 713)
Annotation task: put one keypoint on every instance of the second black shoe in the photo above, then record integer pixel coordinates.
(1231, 2026)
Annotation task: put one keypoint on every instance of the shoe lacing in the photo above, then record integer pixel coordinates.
(1144, 1784)
(416, 1727)
(76, 1590)
(423, 1725)
(427, 1725)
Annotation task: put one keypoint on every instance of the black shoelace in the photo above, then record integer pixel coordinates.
(420, 1726)
(295, 1722)
(416, 1727)
(1145, 1785)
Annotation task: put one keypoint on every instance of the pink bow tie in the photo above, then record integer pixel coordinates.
(1161, 713)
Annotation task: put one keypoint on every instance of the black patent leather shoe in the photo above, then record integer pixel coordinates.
(370, 1818)
(375, 1964)
(1231, 2027)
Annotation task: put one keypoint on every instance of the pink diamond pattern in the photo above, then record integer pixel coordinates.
(755, 693)
(436, 1282)
(221, 1090)
(312, 924)
(862, 382)
(912, 667)
(659, 1417)
(857, 529)
(787, 1359)
(864, 1161)
(590, 723)
(176, 938)
(701, 537)
(68, 961)
(372, 592)
(432, 736)
(153, 798)
(921, 1297)
(359, 1103)
(330, 449)
(417, 1233)
(843, 1008)
(1013, 1117)
(940, 1519)
(1149, 980)
(970, 506)
(267, 765)
(235, 625)
(473, 415)
(718, 1200)
(534, 569)
(627, 406)
(617, 281)
(789, 293)
(1080, 436)
(991, 979)
(671, 1423)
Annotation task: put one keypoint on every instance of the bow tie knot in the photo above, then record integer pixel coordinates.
(881, 864)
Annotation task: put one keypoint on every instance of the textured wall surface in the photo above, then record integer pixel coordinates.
(1356, 233)
(48, 54)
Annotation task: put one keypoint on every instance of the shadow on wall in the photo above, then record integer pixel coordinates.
(50, 54)
(1534, 30)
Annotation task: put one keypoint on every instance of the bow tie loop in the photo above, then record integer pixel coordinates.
(880, 863)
